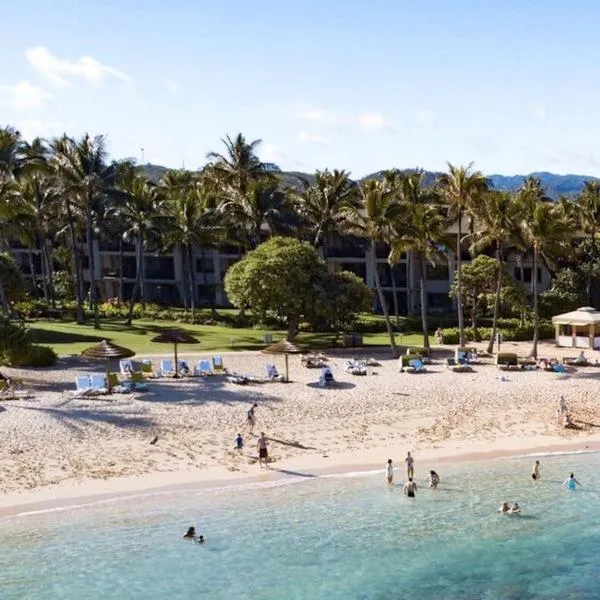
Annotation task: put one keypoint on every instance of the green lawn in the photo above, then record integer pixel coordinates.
(70, 338)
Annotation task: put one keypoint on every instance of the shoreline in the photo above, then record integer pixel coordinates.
(89, 492)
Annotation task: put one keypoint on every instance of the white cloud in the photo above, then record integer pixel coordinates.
(33, 128)
(173, 86)
(425, 117)
(25, 96)
(372, 121)
(540, 112)
(61, 72)
(306, 112)
(312, 138)
(270, 152)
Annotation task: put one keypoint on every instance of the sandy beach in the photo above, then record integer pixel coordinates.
(54, 447)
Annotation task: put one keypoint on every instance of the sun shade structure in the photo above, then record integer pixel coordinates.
(107, 351)
(175, 337)
(578, 329)
(283, 347)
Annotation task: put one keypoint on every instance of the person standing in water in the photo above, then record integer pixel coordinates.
(390, 472)
(410, 488)
(433, 479)
(571, 483)
(535, 473)
(409, 461)
(263, 452)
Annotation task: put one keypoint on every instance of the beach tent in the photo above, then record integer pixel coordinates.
(578, 329)
(175, 337)
(105, 351)
(283, 347)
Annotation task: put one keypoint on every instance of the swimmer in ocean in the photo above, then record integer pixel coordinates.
(410, 488)
(190, 534)
(571, 483)
(535, 473)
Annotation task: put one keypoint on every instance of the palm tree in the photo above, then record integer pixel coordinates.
(462, 188)
(322, 205)
(547, 234)
(138, 208)
(86, 180)
(588, 210)
(419, 229)
(238, 165)
(193, 220)
(371, 219)
(497, 215)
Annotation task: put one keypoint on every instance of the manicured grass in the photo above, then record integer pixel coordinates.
(70, 338)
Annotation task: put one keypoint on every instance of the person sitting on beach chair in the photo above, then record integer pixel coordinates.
(272, 373)
(326, 378)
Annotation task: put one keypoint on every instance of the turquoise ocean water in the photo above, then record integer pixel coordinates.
(346, 537)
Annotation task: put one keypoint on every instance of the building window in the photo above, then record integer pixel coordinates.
(438, 303)
(205, 265)
(437, 272)
(527, 274)
(160, 267)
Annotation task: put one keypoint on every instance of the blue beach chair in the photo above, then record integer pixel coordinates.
(203, 367)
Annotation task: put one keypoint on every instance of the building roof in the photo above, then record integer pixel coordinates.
(586, 315)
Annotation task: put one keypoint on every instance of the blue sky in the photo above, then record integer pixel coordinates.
(511, 85)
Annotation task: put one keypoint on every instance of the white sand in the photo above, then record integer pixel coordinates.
(75, 447)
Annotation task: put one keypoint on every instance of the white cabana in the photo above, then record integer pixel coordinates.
(578, 329)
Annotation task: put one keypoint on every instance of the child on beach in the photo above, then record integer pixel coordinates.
(239, 442)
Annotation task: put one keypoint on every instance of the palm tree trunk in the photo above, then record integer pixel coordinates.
(33, 275)
(522, 274)
(191, 285)
(589, 278)
(121, 278)
(536, 316)
(459, 302)
(92, 266)
(383, 303)
(490, 347)
(395, 297)
(50, 272)
(423, 292)
(4, 300)
(78, 266)
(141, 267)
(186, 301)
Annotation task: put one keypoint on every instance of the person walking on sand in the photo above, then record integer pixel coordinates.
(562, 410)
(390, 472)
(263, 452)
(571, 483)
(410, 488)
(251, 419)
(535, 473)
(410, 465)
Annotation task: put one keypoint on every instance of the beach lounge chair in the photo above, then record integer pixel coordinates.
(272, 373)
(420, 351)
(416, 366)
(326, 378)
(147, 367)
(406, 359)
(466, 355)
(218, 366)
(238, 379)
(98, 383)
(507, 361)
(83, 386)
(166, 368)
(183, 367)
(356, 367)
(456, 366)
(203, 368)
(313, 361)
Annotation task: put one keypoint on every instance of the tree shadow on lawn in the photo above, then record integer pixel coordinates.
(72, 417)
(203, 390)
(46, 336)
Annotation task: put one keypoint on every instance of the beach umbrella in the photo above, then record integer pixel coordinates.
(105, 350)
(175, 337)
(283, 347)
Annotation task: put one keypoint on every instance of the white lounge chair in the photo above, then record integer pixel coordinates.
(416, 366)
(272, 373)
(203, 367)
(356, 367)
(126, 367)
(98, 383)
(326, 378)
(83, 386)
(166, 367)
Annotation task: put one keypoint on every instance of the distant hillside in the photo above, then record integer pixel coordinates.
(555, 185)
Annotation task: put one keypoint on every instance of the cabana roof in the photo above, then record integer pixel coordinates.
(586, 315)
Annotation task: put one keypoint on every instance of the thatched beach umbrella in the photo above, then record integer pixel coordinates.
(175, 336)
(283, 347)
(105, 351)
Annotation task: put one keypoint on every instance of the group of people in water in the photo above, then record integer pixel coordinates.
(410, 487)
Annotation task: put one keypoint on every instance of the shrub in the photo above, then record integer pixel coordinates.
(36, 356)
(15, 339)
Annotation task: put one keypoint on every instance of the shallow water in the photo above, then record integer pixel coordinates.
(348, 537)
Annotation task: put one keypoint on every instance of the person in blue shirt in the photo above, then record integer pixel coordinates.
(239, 442)
(571, 483)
